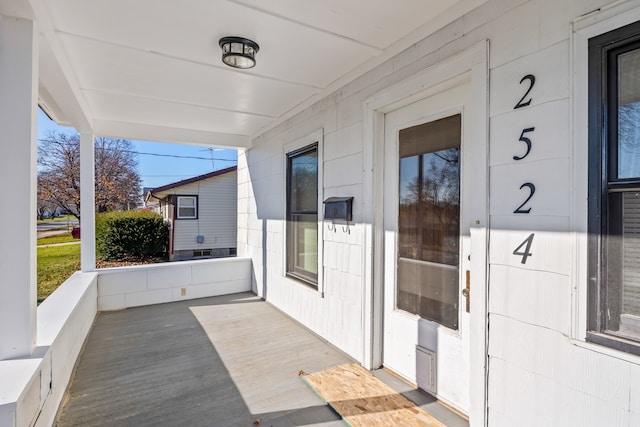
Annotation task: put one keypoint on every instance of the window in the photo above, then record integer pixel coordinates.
(429, 220)
(187, 207)
(302, 214)
(614, 189)
(201, 253)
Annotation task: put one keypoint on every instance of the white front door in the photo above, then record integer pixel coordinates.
(427, 243)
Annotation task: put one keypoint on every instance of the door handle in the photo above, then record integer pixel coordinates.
(466, 291)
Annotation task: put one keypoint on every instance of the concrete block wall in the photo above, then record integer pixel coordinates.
(541, 372)
(124, 287)
(31, 389)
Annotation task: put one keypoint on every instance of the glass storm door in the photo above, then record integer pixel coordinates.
(427, 245)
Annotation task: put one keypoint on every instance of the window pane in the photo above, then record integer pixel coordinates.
(304, 238)
(186, 212)
(304, 182)
(186, 202)
(429, 220)
(623, 267)
(629, 115)
(430, 207)
(302, 216)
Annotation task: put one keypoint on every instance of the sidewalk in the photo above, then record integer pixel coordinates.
(59, 244)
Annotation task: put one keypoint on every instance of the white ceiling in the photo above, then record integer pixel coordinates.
(151, 69)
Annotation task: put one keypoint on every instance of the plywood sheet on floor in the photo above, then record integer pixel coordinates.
(363, 400)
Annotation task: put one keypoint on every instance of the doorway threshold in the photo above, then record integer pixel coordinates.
(427, 402)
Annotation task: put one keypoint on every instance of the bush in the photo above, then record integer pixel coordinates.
(130, 234)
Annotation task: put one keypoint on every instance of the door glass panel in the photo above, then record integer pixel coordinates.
(429, 220)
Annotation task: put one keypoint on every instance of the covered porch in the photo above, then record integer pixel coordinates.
(153, 73)
(231, 360)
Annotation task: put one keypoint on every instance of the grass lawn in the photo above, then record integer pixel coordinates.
(61, 238)
(55, 265)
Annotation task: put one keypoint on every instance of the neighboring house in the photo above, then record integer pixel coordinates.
(202, 213)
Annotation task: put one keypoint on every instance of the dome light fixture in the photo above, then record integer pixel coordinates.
(238, 52)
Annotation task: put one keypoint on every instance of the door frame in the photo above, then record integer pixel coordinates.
(470, 64)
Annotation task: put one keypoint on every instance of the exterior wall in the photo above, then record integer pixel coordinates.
(217, 219)
(541, 372)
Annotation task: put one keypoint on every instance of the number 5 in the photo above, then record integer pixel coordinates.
(526, 141)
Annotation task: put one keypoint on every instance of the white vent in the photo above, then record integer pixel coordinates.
(426, 369)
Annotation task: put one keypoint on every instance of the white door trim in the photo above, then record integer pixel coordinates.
(472, 62)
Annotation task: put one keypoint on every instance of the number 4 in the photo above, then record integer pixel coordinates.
(526, 254)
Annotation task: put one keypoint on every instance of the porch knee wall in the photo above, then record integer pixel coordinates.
(540, 369)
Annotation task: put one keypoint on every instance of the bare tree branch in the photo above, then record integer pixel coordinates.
(117, 181)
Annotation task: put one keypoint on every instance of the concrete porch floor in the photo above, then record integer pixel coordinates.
(221, 361)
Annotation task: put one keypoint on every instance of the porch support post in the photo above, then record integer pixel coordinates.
(87, 203)
(18, 133)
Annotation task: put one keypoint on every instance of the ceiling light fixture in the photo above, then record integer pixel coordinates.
(238, 52)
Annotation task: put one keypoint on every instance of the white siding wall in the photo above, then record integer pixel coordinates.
(217, 220)
(539, 373)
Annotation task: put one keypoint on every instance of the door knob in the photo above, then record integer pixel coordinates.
(465, 293)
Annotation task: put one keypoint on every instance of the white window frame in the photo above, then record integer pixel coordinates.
(195, 207)
(316, 137)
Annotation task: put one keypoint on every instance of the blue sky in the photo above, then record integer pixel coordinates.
(161, 163)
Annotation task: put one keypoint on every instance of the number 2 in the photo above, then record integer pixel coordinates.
(526, 141)
(526, 254)
(522, 102)
(532, 189)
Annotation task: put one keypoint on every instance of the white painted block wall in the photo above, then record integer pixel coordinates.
(125, 287)
(31, 389)
(540, 370)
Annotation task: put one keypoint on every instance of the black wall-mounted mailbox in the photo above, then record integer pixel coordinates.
(338, 208)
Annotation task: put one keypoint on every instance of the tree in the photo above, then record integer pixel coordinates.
(46, 208)
(117, 181)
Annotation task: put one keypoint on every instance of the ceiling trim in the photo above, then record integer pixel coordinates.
(153, 133)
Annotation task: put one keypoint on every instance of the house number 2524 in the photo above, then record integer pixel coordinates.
(524, 249)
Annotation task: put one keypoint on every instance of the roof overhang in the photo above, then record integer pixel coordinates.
(151, 69)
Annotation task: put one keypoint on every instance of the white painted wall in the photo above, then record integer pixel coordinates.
(541, 372)
(32, 388)
(124, 287)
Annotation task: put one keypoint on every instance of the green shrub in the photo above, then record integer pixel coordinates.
(130, 234)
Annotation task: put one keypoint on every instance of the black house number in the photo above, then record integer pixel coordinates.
(532, 81)
(526, 141)
(524, 249)
(532, 189)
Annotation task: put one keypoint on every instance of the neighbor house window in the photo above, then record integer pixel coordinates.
(614, 189)
(187, 207)
(302, 214)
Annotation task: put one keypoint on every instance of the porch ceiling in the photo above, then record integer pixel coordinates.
(151, 69)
